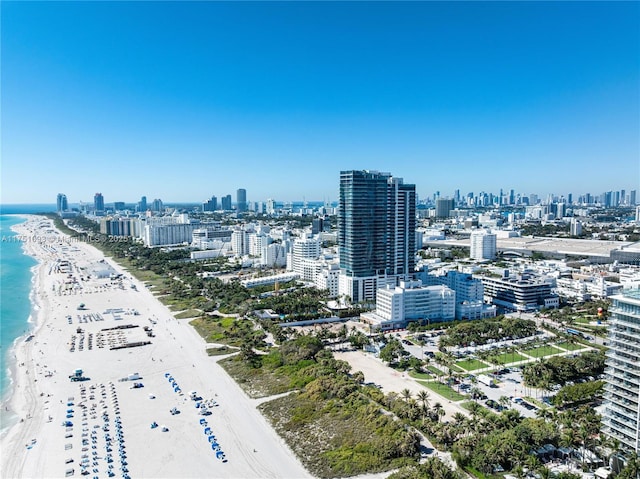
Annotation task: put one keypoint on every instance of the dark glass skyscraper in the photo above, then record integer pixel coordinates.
(376, 225)
(98, 202)
(241, 200)
(226, 203)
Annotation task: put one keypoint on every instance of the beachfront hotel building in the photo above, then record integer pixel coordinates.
(411, 301)
(376, 232)
(621, 416)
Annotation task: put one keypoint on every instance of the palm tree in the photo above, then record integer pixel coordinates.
(475, 393)
(439, 410)
(406, 394)
(423, 397)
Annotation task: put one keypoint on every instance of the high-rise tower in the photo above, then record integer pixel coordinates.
(62, 203)
(241, 200)
(376, 232)
(98, 203)
(620, 417)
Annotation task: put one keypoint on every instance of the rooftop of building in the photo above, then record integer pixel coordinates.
(578, 247)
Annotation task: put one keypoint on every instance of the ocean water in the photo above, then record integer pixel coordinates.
(15, 289)
(23, 209)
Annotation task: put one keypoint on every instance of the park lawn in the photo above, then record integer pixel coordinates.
(506, 358)
(570, 346)
(443, 390)
(542, 351)
(471, 364)
(417, 375)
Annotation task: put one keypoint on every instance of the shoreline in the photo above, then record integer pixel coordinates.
(9, 415)
(67, 336)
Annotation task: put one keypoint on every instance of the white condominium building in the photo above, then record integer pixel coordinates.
(483, 245)
(305, 249)
(621, 415)
(240, 242)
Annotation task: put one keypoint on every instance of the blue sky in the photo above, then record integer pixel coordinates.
(182, 101)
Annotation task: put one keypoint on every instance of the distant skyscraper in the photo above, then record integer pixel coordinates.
(62, 203)
(98, 203)
(271, 206)
(157, 205)
(376, 232)
(444, 207)
(142, 206)
(241, 200)
(632, 198)
(226, 203)
(210, 205)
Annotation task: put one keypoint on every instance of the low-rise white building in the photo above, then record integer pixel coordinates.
(268, 280)
(411, 301)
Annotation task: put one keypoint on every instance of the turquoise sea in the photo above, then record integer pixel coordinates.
(15, 290)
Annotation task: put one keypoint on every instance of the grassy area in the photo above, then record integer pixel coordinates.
(542, 351)
(219, 330)
(417, 375)
(570, 346)
(189, 313)
(435, 370)
(221, 351)
(506, 358)
(142, 275)
(334, 438)
(256, 382)
(471, 364)
(583, 320)
(443, 390)
(174, 304)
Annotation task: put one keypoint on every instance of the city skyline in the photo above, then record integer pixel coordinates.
(200, 98)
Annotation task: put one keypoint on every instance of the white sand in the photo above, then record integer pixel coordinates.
(37, 446)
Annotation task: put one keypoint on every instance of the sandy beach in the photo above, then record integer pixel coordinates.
(101, 425)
